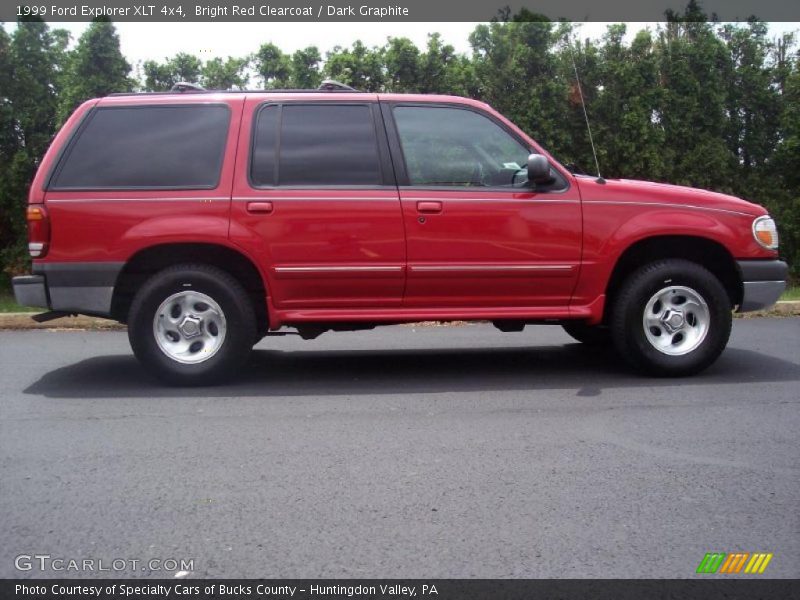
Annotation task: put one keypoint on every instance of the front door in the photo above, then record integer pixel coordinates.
(477, 233)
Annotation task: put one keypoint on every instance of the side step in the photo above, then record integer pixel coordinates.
(50, 315)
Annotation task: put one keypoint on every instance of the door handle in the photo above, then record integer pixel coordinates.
(259, 207)
(429, 207)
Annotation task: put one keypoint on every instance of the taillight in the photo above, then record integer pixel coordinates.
(38, 230)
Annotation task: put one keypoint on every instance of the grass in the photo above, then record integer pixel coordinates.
(7, 302)
(792, 293)
(9, 305)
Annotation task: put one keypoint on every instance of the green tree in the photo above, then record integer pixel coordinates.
(358, 66)
(442, 71)
(218, 74)
(624, 106)
(402, 58)
(95, 68)
(31, 84)
(272, 66)
(753, 103)
(784, 173)
(9, 144)
(518, 71)
(693, 62)
(305, 68)
(8, 136)
(162, 76)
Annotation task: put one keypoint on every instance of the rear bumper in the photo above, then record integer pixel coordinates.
(85, 288)
(30, 290)
(763, 282)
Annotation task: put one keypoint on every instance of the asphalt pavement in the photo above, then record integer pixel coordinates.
(401, 452)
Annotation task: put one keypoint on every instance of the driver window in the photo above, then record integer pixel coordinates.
(446, 146)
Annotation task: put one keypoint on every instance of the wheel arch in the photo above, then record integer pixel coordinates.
(148, 261)
(704, 251)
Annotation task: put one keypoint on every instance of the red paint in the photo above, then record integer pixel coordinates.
(386, 254)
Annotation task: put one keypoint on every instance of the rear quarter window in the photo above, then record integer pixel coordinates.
(146, 147)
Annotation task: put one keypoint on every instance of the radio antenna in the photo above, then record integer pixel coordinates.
(585, 114)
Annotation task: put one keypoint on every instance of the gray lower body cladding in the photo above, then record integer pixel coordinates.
(763, 282)
(79, 287)
(88, 287)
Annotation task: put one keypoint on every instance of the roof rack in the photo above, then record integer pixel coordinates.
(331, 85)
(185, 86)
(182, 87)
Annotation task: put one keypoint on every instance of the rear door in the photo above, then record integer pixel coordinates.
(477, 234)
(316, 202)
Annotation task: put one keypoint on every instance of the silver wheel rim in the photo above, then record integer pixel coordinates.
(189, 327)
(676, 320)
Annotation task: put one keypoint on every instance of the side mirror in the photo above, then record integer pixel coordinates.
(538, 168)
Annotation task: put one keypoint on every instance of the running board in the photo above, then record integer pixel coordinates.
(50, 315)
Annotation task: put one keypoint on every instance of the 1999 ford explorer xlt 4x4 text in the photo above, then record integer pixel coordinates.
(206, 220)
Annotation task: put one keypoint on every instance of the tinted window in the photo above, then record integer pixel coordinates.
(147, 147)
(262, 167)
(457, 147)
(323, 144)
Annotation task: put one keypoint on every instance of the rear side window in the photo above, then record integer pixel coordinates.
(320, 144)
(147, 147)
(263, 169)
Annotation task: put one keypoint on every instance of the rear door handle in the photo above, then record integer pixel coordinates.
(429, 207)
(259, 207)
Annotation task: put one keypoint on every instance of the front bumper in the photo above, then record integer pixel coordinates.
(763, 282)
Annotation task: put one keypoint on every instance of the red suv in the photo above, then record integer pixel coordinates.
(206, 220)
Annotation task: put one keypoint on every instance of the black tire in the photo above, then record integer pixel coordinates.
(591, 335)
(222, 288)
(628, 312)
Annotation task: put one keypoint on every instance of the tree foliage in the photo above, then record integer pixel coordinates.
(182, 67)
(692, 102)
(94, 68)
(228, 74)
(272, 66)
(34, 57)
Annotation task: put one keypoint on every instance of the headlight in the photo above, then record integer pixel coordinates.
(765, 232)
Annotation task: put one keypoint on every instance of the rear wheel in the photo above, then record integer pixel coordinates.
(671, 318)
(591, 335)
(191, 324)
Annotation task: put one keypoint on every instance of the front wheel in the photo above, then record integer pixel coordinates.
(671, 318)
(191, 325)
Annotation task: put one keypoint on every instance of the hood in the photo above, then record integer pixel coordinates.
(632, 190)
